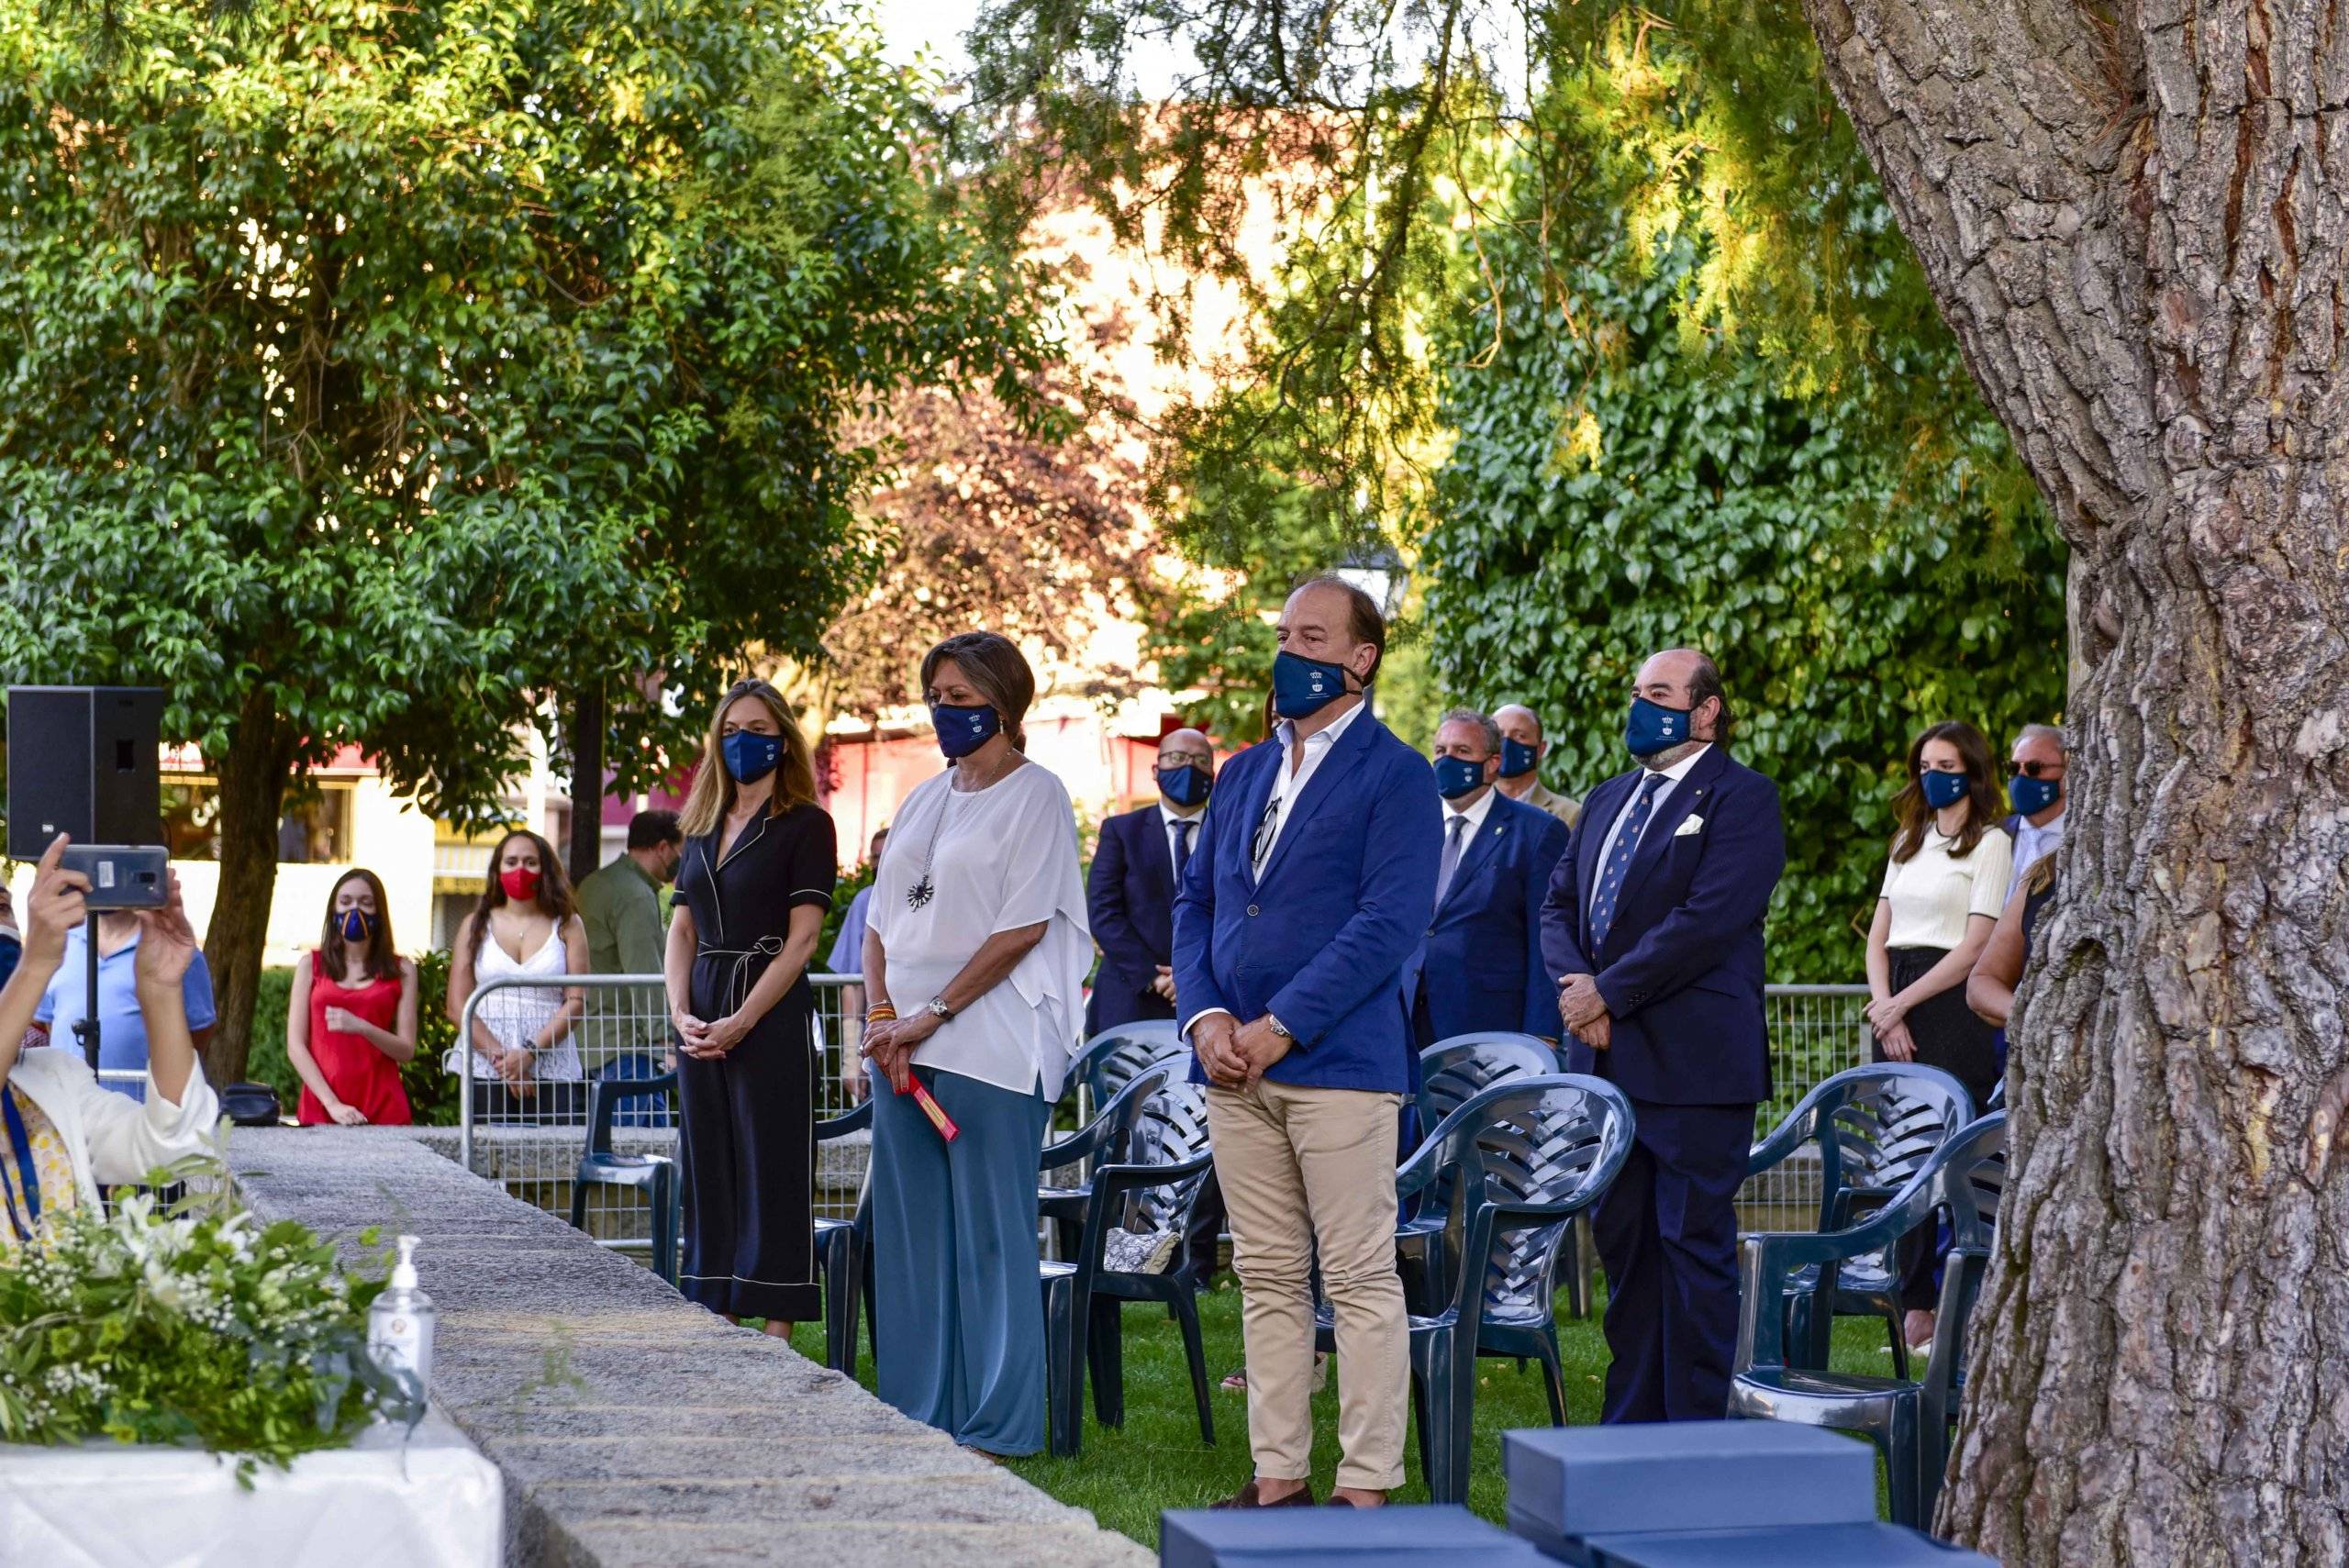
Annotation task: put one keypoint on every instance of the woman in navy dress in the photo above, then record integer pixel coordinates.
(753, 889)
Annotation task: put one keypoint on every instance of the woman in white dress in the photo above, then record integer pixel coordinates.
(526, 1062)
(975, 950)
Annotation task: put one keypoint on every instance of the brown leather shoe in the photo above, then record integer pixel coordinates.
(1246, 1498)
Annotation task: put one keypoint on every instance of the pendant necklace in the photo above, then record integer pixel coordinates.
(919, 895)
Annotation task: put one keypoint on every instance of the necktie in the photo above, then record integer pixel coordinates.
(1262, 849)
(1182, 845)
(1450, 861)
(1619, 860)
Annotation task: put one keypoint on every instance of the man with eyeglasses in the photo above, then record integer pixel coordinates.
(1130, 895)
(2036, 790)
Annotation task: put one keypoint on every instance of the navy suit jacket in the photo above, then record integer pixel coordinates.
(1482, 958)
(1320, 941)
(1681, 965)
(1129, 897)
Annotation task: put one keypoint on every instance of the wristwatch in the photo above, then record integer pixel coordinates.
(1278, 1027)
(940, 1010)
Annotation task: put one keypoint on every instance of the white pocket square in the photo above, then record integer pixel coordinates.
(1688, 824)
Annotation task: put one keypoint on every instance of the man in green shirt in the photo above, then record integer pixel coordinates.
(620, 905)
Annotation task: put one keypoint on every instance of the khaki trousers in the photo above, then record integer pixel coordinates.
(1301, 1167)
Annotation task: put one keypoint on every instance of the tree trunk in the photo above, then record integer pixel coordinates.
(2133, 220)
(253, 777)
(587, 725)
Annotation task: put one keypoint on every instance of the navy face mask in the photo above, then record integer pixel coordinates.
(11, 949)
(1654, 727)
(1188, 785)
(1942, 789)
(1456, 776)
(749, 756)
(356, 925)
(1303, 687)
(2032, 795)
(1517, 759)
(962, 730)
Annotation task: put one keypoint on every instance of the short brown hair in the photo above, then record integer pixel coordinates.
(1365, 622)
(993, 663)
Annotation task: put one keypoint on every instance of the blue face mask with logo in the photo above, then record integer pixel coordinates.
(355, 925)
(1654, 727)
(962, 730)
(1942, 789)
(1456, 776)
(751, 757)
(1187, 785)
(2032, 795)
(11, 949)
(1517, 759)
(1303, 687)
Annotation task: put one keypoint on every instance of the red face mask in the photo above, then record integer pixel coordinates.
(521, 884)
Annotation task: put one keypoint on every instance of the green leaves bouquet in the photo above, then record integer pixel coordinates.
(190, 1323)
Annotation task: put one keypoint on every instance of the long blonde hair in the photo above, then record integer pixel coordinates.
(712, 794)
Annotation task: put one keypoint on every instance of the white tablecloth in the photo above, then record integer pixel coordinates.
(430, 1502)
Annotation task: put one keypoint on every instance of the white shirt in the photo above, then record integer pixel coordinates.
(1296, 771)
(1674, 775)
(1474, 819)
(1170, 820)
(998, 859)
(2031, 844)
(1933, 893)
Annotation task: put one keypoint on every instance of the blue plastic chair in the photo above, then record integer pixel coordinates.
(655, 1176)
(1150, 1191)
(844, 1253)
(1909, 1420)
(1535, 1153)
(1874, 1127)
(1107, 1062)
(1451, 1073)
(1102, 1138)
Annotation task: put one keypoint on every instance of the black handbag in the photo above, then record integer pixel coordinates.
(251, 1105)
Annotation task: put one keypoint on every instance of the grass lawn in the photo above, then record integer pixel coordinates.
(1157, 1461)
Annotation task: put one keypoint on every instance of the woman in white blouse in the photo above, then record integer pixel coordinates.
(974, 956)
(1943, 891)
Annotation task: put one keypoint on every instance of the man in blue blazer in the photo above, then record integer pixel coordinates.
(1311, 884)
(1653, 929)
(1480, 966)
(1130, 891)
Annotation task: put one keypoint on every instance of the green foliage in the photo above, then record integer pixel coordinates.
(432, 1090)
(1614, 492)
(196, 1326)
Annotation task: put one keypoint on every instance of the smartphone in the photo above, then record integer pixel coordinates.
(122, 876)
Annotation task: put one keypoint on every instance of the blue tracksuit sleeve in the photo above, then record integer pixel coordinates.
(1396, 899)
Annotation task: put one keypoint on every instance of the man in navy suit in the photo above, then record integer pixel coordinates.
(1480, 966)
(1311, 884)
(1653, 929)
(1130, 893)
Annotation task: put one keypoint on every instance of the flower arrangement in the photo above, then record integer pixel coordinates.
(188, 1323)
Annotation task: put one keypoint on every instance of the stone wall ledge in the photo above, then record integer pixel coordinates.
(633, 1428)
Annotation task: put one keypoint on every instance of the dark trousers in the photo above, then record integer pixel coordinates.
(1667, 1234)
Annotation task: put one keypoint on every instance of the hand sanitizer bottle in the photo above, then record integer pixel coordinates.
(399, 1325)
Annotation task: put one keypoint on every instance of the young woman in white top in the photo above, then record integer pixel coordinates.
(1944, 888)
(526, 1065)
(975, 950)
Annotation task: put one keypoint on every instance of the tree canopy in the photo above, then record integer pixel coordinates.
(375, 373)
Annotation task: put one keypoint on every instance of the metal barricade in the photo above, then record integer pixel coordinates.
(529, 1139)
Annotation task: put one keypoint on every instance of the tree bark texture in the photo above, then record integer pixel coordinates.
(585, 851)
(253, 773)
(2135, 221)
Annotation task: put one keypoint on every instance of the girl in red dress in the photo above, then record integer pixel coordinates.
(352, 1023)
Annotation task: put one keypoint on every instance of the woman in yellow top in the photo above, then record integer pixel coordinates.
(62, 1137)
(1943, 891)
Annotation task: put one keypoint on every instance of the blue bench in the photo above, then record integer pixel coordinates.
(1425, 1537)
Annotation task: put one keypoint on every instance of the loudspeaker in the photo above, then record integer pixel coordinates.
(81, 759)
